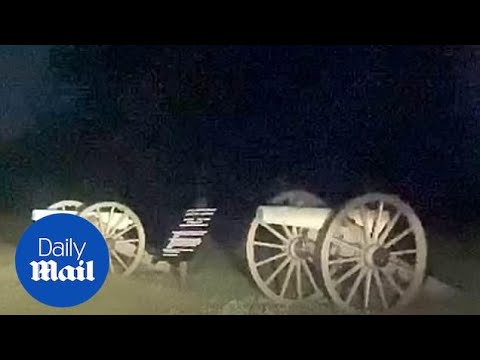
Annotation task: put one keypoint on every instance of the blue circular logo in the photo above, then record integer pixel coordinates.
(62, 260)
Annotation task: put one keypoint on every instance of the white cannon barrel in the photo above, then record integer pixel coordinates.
(37, 214)
(313, 218)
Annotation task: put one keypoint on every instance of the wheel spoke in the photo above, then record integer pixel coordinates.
(397, 238)
(366, 230)
(100, 224)
(309, 275)
(403, 252)
(376, 225)
(349, 273)
(119, 259)
(368, 282)
(381, 291)
(269, 245)
(112, 209)
(344, 260)
(127, 241)
(345, 244)
(299, 280)
(277, 271)
(274, 232)
(355, 286)
(124, 231)
(389, 228)
(118, 222)
(270, 259)
(392, 282)
(295, 231)
(288, 233)
(291, 266)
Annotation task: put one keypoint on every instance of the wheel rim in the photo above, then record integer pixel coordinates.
(72, 205)
(123, 231)
(377, 267)
(280, 261)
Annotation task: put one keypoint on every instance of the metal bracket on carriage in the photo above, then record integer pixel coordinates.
(190, 233)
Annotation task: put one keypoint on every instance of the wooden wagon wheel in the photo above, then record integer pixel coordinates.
(279, 256)
(374, 254)
(280, 262)
(123, 232)
(73, 205)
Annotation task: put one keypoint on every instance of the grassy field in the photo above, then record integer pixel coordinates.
(219, 283)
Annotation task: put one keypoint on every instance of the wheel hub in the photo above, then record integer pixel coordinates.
(301, 248)
(377, 256)
(381, 257)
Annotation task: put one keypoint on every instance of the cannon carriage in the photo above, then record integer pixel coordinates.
(121, 228)
(367, 256)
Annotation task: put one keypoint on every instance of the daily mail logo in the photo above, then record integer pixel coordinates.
(50, 271)
(62, 260)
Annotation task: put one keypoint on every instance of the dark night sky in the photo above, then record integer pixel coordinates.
(21, 71)
(328, 117)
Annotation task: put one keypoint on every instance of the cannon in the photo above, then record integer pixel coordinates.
(368, 256)
(120, 226)
(125, 235)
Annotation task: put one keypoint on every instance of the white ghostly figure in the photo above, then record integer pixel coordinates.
(200, 202)
(298, 198)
